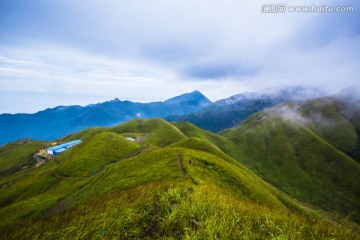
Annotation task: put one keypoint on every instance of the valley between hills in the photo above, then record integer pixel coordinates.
(289, 171)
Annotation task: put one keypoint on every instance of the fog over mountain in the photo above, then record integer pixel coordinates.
(229, 112)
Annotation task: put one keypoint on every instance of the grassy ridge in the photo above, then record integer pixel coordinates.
(15, 155)
(221, 142)
(203, 145)
(158, 132)
(140, 191)
(338, 123)
(145, 197)
(292, 157)
(331, 124)
(172, 210)
(84, 134)
(95, 153)
(31, 195)
(202, 166)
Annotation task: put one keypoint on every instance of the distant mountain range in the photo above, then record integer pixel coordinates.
(62, 120)
(192, 107)
(229, 112)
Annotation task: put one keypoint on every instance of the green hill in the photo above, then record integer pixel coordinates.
(337, 122)
(155, 132)
(221, 142)
(84, 134)
(147, 197)
(177, 181)
(16, 155)
(202, 145)
(281, 146)
(95, 153)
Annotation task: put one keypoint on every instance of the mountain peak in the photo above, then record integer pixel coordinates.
(195, 96)
(196, 92)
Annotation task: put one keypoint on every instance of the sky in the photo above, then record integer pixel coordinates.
(67, 52)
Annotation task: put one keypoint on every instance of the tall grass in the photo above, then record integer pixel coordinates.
(176, 210)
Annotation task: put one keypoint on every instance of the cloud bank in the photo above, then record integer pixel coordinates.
(66, 52)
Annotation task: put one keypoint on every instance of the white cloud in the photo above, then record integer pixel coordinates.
(152, 50)
(64, 74)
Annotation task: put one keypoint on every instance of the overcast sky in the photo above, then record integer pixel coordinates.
(65, 52)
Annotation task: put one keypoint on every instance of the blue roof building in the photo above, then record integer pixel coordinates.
(62, 147)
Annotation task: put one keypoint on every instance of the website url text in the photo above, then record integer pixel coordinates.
(283, 8)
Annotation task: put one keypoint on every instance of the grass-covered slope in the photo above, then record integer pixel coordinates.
(331, 124)
(202, 145)
(146, 196)
(337, 122)
(95, 153)
(155, 132)
(16, 155)
(221, 142)
(84, 134)
(181, 182)
(281, 146)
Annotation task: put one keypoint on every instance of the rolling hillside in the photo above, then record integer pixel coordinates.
(285, 146)
(275, 176)
(18, 154)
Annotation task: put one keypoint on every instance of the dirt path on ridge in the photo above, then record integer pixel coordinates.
(180, 164)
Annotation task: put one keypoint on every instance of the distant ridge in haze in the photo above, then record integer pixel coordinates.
(229, 112)
(53, 123)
